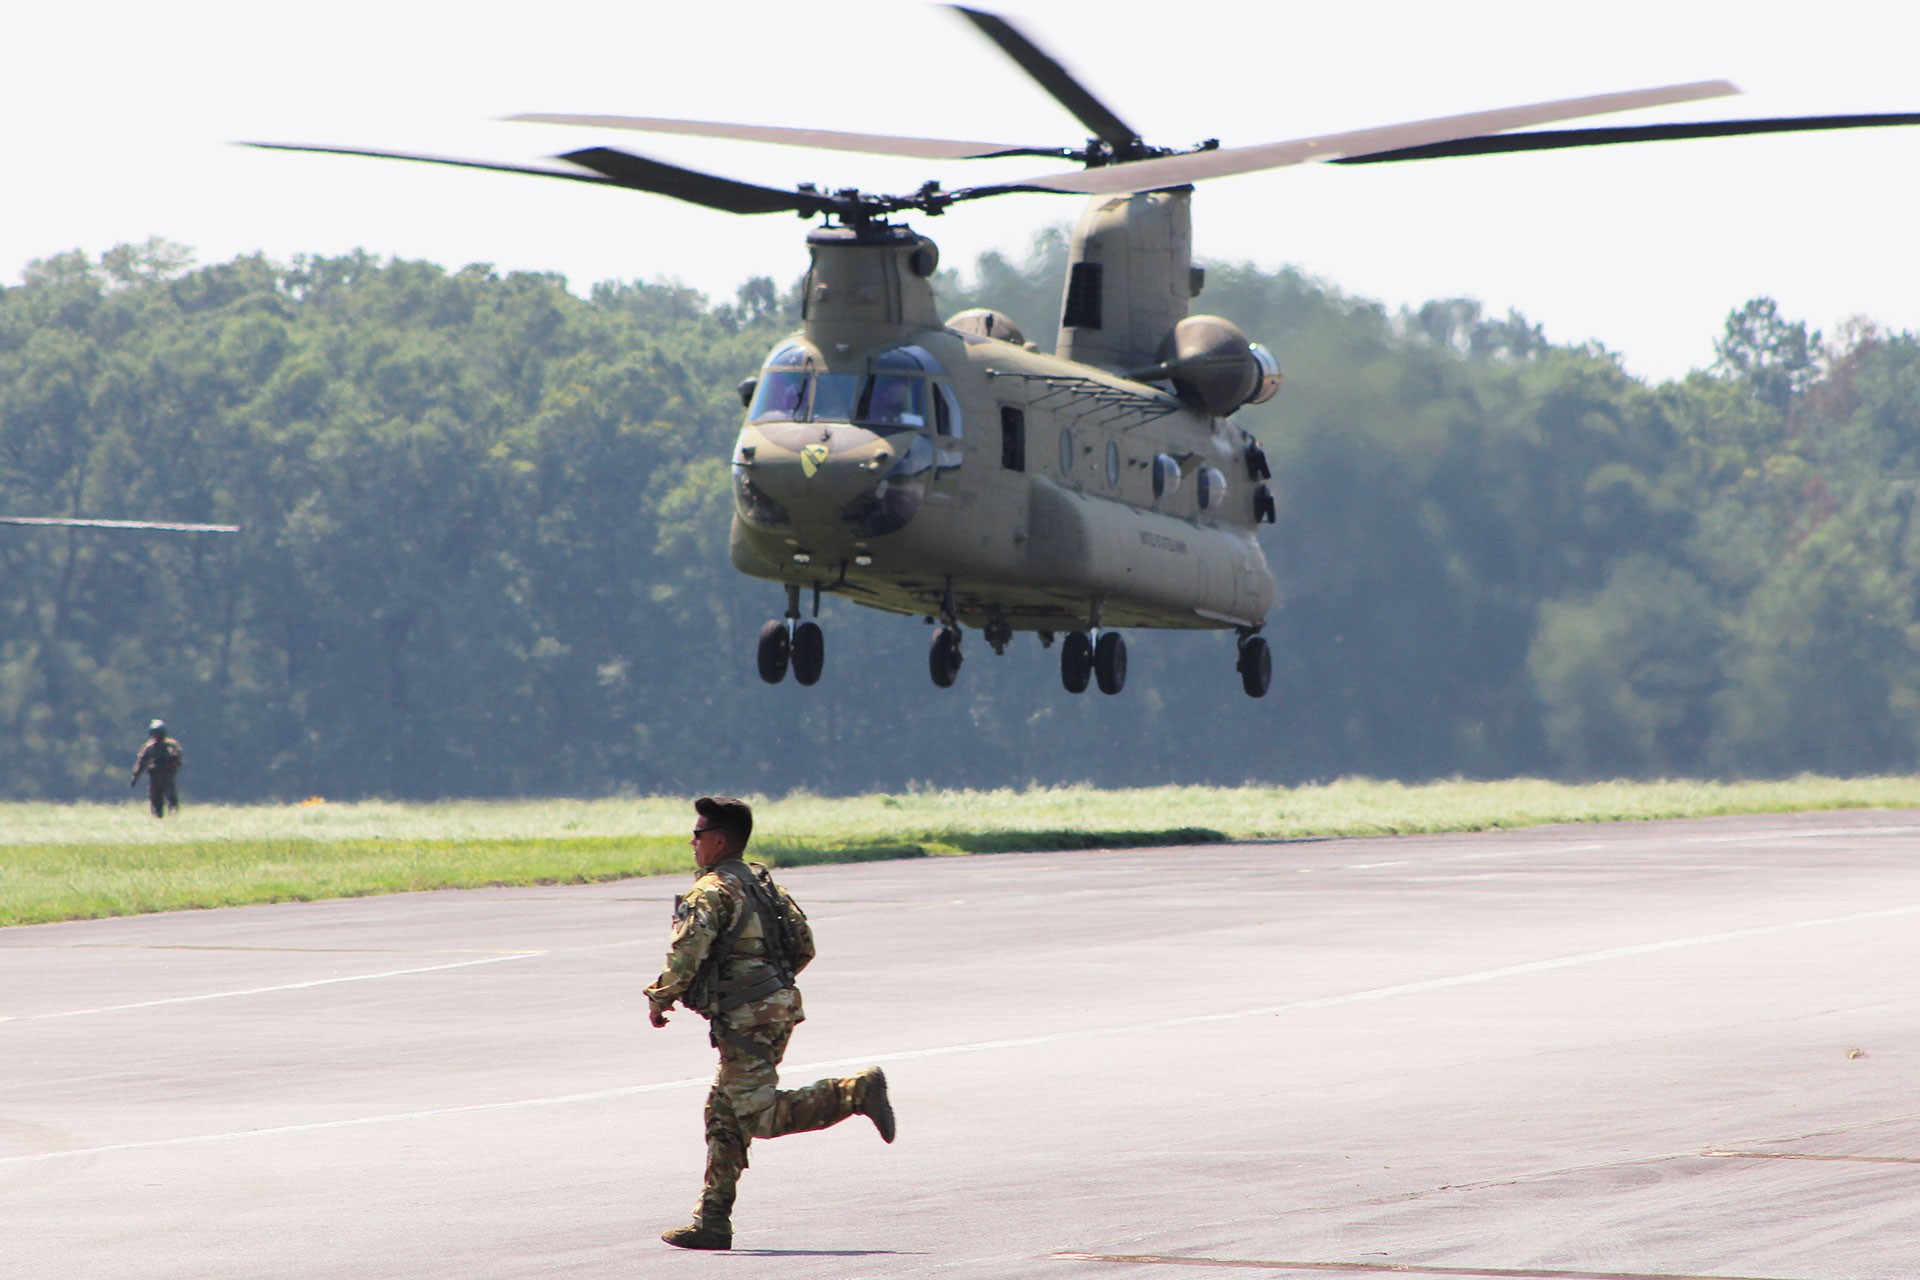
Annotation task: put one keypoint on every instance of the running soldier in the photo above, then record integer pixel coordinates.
(738, 942)
(160, 759)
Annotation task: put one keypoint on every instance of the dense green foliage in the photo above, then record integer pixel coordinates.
(485, 550)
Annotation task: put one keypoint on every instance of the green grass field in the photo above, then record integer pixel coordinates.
(66, 862)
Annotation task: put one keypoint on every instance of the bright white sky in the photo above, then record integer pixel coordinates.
(119, 115)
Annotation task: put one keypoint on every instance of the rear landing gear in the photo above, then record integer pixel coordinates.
(1255, 665)
(1083, 658)
(775, 646)
(1076, 661)
(1110, 662)
(943, 661)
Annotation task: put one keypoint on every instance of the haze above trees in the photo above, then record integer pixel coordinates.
(486, 521)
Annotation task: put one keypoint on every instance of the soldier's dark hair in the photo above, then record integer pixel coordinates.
(724, 813)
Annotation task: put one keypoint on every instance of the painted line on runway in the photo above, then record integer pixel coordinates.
(285, 986)
(984, 1046)
(1387, 1268)
(1807, 1155)
(321, 1126)
(1382, 993)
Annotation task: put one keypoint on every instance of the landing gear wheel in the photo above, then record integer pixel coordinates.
(1076, 661)
(944, 660)
(809, 653)
(1110, 662)
(774, 647)
(1255, 666)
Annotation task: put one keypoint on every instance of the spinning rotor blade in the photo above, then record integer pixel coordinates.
(447, 160)
(1175, 171)
(65, 522)
(624, 169)
(1054, 78)
(1562, 139)
(611, 168)
(879, 144)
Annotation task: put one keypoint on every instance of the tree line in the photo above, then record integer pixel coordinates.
(485, 524)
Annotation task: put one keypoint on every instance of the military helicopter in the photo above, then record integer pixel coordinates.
(950, 470)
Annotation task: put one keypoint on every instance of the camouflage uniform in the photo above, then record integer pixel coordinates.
(746, 1101)
(160, 759)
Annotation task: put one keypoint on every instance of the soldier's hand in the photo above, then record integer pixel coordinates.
(656, 1015)
(134, 781)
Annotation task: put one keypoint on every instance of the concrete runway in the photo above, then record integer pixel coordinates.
(1644, 1050)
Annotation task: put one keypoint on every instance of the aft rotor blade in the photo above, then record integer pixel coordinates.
(1054, 78)
(1563, 139)
(69, 522)
(879, 144)
(1174, 171)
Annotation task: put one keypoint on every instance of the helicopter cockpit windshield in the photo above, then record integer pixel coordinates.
(897, 396)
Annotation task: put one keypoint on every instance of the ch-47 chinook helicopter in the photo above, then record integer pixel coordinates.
(949, 469)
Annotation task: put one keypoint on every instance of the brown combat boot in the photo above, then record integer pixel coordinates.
(870, 1100)
(699, 1235)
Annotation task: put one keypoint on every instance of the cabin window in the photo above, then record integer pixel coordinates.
(1013, 438)
(1113, 465)
(1083, 297)
(1066, 452)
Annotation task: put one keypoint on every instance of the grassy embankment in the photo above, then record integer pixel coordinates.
(63, 862)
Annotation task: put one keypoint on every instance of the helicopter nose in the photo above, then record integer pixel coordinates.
(815, 471)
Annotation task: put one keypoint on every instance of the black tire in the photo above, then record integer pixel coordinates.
(943, 661)
(774, 647)
(809, 653)
(1110, 662)
(1076, 661)
(1256, 666)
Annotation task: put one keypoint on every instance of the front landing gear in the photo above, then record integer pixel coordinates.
(1104, 660)
(943, 660)
(788, 642)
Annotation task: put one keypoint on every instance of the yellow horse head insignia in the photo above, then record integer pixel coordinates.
(811, 457)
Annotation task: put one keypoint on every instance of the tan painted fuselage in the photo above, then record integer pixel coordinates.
(914, 466)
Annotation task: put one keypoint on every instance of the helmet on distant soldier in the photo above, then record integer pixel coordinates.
(157, 728)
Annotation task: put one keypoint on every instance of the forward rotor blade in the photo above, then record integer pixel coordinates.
(1054, 78)
(1174, 171)
(624, 169)
(445, 160)
(1563, 139)
(879, 144)
(610, 168)
(66, 522)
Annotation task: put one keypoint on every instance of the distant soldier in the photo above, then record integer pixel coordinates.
(160, 759)
(738, 941)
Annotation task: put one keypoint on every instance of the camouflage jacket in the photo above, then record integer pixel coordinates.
(702, 919)
(161, 756)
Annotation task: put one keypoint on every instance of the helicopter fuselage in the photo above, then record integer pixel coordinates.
(939, 468)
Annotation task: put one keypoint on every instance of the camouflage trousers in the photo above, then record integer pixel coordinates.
(163, 793)
(746, 1101)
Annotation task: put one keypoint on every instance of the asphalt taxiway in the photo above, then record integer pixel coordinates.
(1609, 1052)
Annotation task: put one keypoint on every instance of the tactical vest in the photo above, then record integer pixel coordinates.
(711, 991)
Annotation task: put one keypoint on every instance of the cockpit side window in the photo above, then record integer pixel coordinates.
(780, 397)
(947, 411)
(896, 401)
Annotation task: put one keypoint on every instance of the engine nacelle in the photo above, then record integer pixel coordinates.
(1213, 366)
